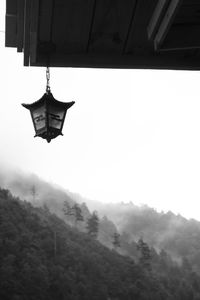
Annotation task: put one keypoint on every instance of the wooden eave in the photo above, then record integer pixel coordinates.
(153, 34)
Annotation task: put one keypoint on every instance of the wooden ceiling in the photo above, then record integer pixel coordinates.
(155, 34)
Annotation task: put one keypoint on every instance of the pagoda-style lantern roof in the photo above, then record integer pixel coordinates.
(48, 115)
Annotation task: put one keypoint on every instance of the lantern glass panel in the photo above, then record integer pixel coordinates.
(56, 116)
(39, 118)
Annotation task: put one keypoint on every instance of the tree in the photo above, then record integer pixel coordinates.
(145, 254)
(116, 240)
(67, 209)
(73, 211)
(33, 194)
(77, 213)
(93, 225)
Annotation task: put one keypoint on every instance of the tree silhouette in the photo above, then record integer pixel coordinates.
(116, 240)
(67, 209)
(77, 213)
(145, 254)
(73, 211)
(33, 192)
(93, 225)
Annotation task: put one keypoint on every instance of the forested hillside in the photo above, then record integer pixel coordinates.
(179, 237)
(41, 257)
(41, 193)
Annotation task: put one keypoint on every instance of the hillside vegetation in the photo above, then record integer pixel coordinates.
(41, 257)
(174, 234)
(179, 237)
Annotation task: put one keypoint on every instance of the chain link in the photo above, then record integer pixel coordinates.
(48, 90)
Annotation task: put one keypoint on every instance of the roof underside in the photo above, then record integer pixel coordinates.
(156, 34)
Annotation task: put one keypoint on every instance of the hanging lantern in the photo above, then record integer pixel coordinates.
(48, 114)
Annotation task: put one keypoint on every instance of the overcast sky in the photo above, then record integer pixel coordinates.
(133, 135)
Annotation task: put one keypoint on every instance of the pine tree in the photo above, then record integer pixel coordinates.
(73, 211)
(116, 240)
(93, 225)
(67, 209)
(77, 213)
(33, 194)
(145, 254)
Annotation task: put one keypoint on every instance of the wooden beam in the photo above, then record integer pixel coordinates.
(11, 23)
(34, 30)
(46, 29)
(164, 61)
(156, 17)
(91, 18)
(182, 37)
(46, 20)
(166, 22)
(27, 14)
(20, 25)
(11, 29)
(130, 26)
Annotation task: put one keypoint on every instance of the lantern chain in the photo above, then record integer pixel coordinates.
(48, 90)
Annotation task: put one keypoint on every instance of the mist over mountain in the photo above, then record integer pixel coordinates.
(176, 235)
(39, 192)
(43, 258)
(32, 188)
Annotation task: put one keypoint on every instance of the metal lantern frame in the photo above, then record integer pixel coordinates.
(48, 114)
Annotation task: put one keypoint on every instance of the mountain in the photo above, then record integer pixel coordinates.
(43, 258)
(35, 190)
(41, 193)
(177, 236)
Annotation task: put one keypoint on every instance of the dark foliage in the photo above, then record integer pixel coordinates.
(175, 234)
(93, 225)
(116, 240)
(145, 254)
(73, 211)
(80, 268)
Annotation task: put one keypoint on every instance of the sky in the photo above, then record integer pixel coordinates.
(132, 135)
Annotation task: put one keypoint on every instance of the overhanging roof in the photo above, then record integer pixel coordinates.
(156, 34)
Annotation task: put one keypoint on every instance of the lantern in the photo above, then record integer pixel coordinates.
(48, 115)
